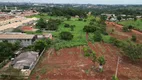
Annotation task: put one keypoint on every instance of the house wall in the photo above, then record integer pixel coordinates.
(24, 42)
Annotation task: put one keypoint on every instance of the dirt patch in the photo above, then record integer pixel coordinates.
(66, 64)
(70, 64)
(127, 69)
(118, 33)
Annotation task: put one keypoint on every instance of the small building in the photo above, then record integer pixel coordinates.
(138, 17)
(24, 39)
(45, 36)
(25, 60)
(123, 15)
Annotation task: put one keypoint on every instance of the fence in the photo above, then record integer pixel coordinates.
(37, 59)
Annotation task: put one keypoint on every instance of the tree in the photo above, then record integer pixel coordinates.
(6, 50)
(135, 19)
(66, 35)
(72, 27)
(130, 27)
(89, 28)
(80, 19)
(101, 61)
(68, 17)
(98, 20)
(16, 46)
(97, 36)
(134, 38)
(125, 29)
(116, 42)
(133, 51)
(41, 44)
(53, 24)
(41, 24)
(67, 25)
(119, 18)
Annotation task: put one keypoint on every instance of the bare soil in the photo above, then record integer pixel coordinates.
(70, 64)
(126, 69)
(118, 32)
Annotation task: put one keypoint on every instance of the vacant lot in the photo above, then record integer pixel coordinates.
(126, 70)
(118, 32)
(70, 64)
(65, 64)
(136, 24)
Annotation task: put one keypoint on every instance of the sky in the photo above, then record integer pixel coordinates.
(80, 1)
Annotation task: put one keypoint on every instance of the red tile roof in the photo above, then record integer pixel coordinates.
(27, 28)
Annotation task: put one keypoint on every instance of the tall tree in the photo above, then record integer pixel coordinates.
(41, 24)
(119, 18)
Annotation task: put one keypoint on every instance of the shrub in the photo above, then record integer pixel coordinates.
(114, 78)
(87, 54)
(133, 51)
(72, 27)
(91, 23)
(41, 44)
(80, 19)
(101, 60)
(94, 57)
(66, 35)
(116, 42)
(97, 36)
(67, 44)
(89, 28)
(130, 27)
(67, 25)
(41, 24)
(134, 38)
(85, 20)
(68, 17)
(125, 29)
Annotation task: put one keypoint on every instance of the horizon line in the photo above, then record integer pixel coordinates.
(71, 3)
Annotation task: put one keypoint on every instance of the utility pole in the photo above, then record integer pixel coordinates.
(117, 66)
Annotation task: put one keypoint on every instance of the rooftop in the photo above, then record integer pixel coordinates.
(25, 59)
(16, 36)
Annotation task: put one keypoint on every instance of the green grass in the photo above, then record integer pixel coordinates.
(106, 38)
(45, 16)
(136, 24)
(79, 36)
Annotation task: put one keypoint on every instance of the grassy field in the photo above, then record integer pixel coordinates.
(45, 16)
(79, 36)
(136, 24)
